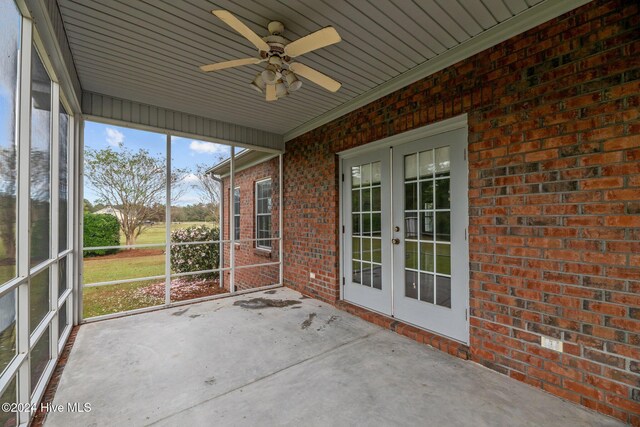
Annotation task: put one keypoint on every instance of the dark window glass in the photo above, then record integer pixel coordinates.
(236, 213)
(263, 214)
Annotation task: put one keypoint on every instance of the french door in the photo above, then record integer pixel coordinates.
(405, 214)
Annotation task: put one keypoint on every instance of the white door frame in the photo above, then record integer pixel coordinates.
(458, 122)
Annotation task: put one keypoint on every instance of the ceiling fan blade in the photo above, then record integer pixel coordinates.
(237, 25)
(321, 38)
(271, 93)
(315, 76)
(229, 64)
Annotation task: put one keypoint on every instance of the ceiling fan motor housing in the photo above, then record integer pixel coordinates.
(275, 28)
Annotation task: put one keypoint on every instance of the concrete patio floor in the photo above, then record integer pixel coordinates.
(306, 363)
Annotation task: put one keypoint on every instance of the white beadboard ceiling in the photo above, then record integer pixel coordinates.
(149, 51)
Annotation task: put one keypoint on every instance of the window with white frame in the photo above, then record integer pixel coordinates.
(236, 213)
(263, 214)
(36, 243)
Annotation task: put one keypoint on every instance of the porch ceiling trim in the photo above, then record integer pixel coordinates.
(108, 109)
(530, 18)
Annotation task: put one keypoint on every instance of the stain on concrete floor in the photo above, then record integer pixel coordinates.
(256, 303)
(308, 322)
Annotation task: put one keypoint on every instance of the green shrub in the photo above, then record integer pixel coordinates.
(188, 258)
(101, 230)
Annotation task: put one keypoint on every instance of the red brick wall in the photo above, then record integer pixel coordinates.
(554, 150)
(246, 252)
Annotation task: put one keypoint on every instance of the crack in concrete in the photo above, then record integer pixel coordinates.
(318, 356)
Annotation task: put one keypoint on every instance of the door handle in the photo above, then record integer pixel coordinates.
(395, 241)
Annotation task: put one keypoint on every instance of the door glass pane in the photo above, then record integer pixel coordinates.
(355, 177)
(40, 160)
(427, 221)
(411, 196)
(443, 258)
(355, 201)
(443, 291)
(366, 175)
(355, 247)
(375, 199)
(427, 288)
(376, 173)
(411, 255)
(10, 19)
(357, 276)
(8, 304)
(38, 298)
(443, 226)
(411, 284)
(366, 224)
(376, 280)
(442, 163)
(426, 225)
(376, 225)
(63, 162)
(366, 200)
(40, 355)
(442, 194)
(411, 225)
(427, 168)
(366, 274)
(9, 396)
(376, 250)
(426, 256)
(426, 194)
(355, 224)
(410, 167)
(366, 249)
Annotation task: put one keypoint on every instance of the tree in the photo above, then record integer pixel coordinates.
(88, 206)
(134, 183)
(208, 188)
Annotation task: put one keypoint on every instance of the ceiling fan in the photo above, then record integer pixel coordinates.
(281, 74)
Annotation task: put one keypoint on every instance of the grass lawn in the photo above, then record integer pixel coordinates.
(157, 232)
(126, 265)
(108, 299)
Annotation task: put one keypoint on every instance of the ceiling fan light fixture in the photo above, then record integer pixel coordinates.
(281, 89)
(258, 84)
(271, 74)
(292, 81)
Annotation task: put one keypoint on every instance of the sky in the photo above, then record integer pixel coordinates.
(185, 153)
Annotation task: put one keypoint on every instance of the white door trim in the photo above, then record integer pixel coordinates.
(456, 122)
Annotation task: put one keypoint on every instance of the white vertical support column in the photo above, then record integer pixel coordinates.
(232, 223)
(280, 220)
(54, 215)
(167, 223)
(221, 234)
(71, 216)
(78, 252)
(24, 221)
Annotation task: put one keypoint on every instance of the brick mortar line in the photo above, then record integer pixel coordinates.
(629, 359)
